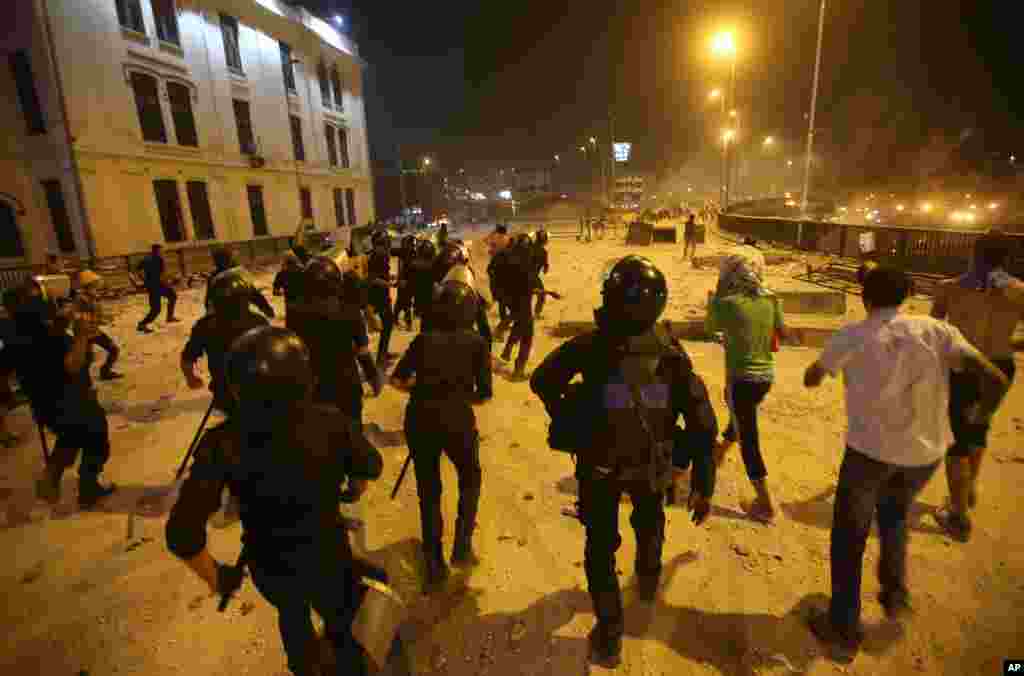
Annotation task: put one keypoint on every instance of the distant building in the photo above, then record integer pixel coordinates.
(128, 122)
(629, 191)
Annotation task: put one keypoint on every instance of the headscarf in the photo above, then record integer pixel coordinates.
(742, 272)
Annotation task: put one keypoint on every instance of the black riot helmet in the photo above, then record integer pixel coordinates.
(223, 258)
(455, 307)
(322, 276)
(381, 238)
(409, 243)
(634, 296)
(230, 293)
(268, 368)
(521, 240)
(426, 250)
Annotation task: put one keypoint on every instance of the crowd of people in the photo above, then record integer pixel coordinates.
(292, 446)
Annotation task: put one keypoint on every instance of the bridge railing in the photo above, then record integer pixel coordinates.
(927, 250)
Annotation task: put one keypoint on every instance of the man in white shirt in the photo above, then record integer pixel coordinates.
(896, 373)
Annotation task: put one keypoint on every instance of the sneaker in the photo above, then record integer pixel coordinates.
(91, 493)
(759, 509)
(844, 646)
(110, 375)
(142, 328)
(173, 320)
(605, 651)
(957, 526)
(436, 574)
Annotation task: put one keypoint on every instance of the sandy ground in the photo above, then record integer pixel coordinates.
(98, 593)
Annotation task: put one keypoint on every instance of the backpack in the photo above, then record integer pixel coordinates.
(607, 395)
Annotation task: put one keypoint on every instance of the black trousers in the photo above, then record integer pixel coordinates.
(380, 300)
(348, 397)
(297, 584)
(964, 390)
(404, 302)
(870, 489)
(433, 428)
(80, 425)
(541, 297)
(745, 396)
(522, 329)
(155, 296)
(599, 510)
(110, 347)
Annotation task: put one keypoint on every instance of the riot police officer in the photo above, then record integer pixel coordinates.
(330, 324)
(453, 264)
(636, 382)
(422, 278)
(519, 285)
(224, 261)
(403, 303)
(541, 265)
(378, 267)
(229, 297)
(446, 370)
(286, 459)
(53, 369)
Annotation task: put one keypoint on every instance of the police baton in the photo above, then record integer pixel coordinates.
(195, 441)
(401, 476)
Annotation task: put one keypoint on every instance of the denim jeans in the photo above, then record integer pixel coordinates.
(870, 489)
(744, 397)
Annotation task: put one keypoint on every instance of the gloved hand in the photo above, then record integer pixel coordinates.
(999, 279)
(229, 579)
(700, 506)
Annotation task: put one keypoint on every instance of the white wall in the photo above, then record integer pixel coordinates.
(117, 167)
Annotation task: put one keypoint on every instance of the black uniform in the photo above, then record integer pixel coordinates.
(540, 265)
(404, 301)
(152, 268)
(288, 282)
(63, 402)
(334, 331)
(519, 283)
(621, 455)
(257, 299)
(213, 335)
(497, 271)
(288, 479)
(378, 266)
(422, 281)
(483, 325)
(452, 369)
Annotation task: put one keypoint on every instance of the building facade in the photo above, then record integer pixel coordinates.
(131, 122)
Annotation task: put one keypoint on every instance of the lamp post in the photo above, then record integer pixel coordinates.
(810, 123)
(723, 45)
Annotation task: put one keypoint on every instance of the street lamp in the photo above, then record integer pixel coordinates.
(728, 135)
(593, 141)
(768, 140)
(715, 94)
(723, 45)
(557, 158)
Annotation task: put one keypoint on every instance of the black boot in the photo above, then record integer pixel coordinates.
(91, 491)
(48, 487)
(647, 586)
(605, 639)
(435, 570)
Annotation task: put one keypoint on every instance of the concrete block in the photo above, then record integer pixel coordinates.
(813, 302)
(664, 235)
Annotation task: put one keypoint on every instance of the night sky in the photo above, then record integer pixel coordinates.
(496, 83)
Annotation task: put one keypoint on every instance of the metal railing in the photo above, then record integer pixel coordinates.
(944, 252)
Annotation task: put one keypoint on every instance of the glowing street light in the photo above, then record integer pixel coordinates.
(339, 20)
(426, 161)
(557, 158)
(789, 163)
(728, 135)
(769, 140)
(926, 207)
(900, 207)
(583, 149)
(723, 44)
(993, 206)
(715, 94)
(732, 113)
(593, 141)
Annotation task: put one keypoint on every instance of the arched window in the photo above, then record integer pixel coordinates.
(147, 102)
(325, 84)
(10, 236)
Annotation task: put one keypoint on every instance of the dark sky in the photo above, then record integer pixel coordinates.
(505, 82)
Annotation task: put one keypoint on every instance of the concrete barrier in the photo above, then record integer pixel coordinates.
(813, 302)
